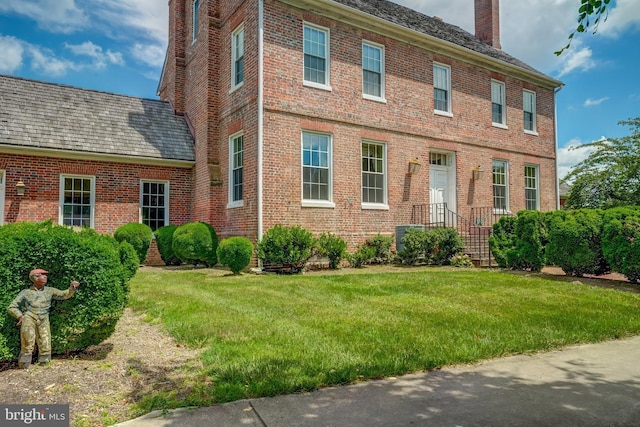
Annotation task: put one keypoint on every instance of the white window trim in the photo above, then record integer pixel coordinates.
(327, 85)
(449, 111)
(382, 97)
(537, 169)
(317, 203)
(234, 203)
(166, 198)
(234, 86)
(3, 187)
(535, 113)
(502, 125)
(92, 197)
(507, 210)
(385, 204)
(195, 13)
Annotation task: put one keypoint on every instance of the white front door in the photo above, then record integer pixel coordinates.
(439, 183)
(2, 193)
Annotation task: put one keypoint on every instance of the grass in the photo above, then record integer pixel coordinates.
(268, 335)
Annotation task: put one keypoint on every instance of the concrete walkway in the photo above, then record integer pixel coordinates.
(587, 385)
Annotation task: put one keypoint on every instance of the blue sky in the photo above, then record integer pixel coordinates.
(119, 46)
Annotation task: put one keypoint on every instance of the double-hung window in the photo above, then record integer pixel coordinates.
(194, 19)
(77, 201)
(498, 104)
(316, 56)
(316, 169)
(372, 70)
(529, 111)
(154, 203)
(531, 187)
(374, 191)
(237, 57)
(500, 186)
(442, 89)
(236, 170)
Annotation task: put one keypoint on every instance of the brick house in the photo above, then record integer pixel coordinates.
(86, 158)
(311, 112)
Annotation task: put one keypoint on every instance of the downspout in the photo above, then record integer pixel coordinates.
(260, 115)
(555, 120)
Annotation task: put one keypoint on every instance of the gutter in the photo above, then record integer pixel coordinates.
(555, 121)
(260, 117)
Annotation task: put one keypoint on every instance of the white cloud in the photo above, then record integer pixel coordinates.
(100, 58)
(44, 61)
(152, 55)
(593, 102)
(58, 16)
(625, 16)
(12, 54)
(573, 153)
(577, 58)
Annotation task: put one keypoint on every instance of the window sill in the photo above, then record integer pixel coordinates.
(374, 98)
(235, 88)
(318, 204)
(499, 125)
(502, 212)
(531, 132)
(238, 204)
(442, 113)
(317, 86)
(375, 206)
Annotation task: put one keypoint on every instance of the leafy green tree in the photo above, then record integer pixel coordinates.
(590, 15)
(610, 175)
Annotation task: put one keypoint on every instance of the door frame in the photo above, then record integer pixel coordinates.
(450, 168)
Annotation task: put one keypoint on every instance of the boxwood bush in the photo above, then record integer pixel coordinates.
(138, 235)
(333, 247)
(418, 246)
(235, 253)
(447, 244)
(286, 249)
(95, 260)
(575, 241)
(621, 241)
(193, 243)
(164, 240)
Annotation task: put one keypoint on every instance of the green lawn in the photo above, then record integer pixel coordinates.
(267, 335)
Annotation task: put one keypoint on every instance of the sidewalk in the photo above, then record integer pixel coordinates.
(588, 385)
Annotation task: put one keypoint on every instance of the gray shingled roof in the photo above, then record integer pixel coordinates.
(53, 116)
(416, 21)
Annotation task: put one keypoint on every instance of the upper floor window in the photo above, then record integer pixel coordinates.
(374, 192)
(77, 201)
(442, 88)
(500, 186)
(194, 19)
(154, 203)
(316, 56)
(529, 111)
(531, 187)
(236, 170)
(237, 54)
(316, 167)
(372, 70)
(498, 116)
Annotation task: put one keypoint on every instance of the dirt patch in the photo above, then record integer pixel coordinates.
(102, 383)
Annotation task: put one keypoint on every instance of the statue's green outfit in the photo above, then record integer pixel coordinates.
(33, 306)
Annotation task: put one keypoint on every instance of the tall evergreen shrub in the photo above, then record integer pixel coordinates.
(621, 241)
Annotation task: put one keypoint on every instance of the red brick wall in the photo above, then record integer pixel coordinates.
(117, 189)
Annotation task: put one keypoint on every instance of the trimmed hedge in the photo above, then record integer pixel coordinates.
(164, 240)
(194, 243)
(575, 241)
(621, 241)
(138, 235)
(101, 265)
(286, 249)
(235, 252)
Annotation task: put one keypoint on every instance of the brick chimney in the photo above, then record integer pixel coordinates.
(488, 22)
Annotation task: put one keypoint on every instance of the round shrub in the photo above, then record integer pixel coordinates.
(235, 252)
(192, 244)
(333, 247)
(213, 259)
(92, 259)
(164, 240)
(418, 245)
(138, 235)
(286, 249)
